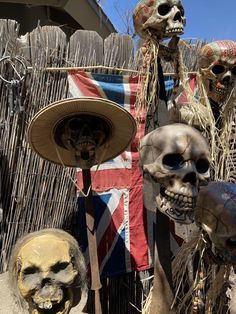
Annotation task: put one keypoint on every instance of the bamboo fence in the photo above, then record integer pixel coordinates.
(35, 193)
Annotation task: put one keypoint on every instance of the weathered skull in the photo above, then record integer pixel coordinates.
(216, 213)
(217, 64)
(47, 272)
(83, 134)
(176, 156)
(159, 18)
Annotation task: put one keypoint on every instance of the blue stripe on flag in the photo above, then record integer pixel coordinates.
(116, 263)
(112, 86)
(100, 204)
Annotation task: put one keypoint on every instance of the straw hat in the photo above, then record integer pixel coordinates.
(42, 128)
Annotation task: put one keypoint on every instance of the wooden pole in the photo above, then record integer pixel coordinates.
(162, 296)
(92, 240)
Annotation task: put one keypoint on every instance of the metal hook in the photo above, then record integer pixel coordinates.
(22, 76)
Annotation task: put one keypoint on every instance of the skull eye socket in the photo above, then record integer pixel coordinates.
(202, 165)
(173, 161)
(234, 70)
(218, 69)
(73, 124)
(31, 270)
(59, 267)
(164, 9)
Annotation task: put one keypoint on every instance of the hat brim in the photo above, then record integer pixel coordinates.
(41, 131)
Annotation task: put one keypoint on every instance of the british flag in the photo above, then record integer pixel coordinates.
(124, 227)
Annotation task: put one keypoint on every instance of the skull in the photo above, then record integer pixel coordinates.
(218, 68)
(176, 156)
(47, 272)
(83, 134)
(159, 18)
(216, 213)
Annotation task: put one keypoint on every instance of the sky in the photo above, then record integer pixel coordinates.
(206, 19)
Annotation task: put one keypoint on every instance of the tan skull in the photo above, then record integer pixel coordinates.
(176, 156)
(216, 213)
(83, 134)
(159, 18)
(47, 272)
(217, 62)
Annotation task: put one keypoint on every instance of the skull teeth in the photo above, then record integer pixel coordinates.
(221, 89)
(86, 143)
(184, 216)
(46, 305)
(180, 200)
(174, 30)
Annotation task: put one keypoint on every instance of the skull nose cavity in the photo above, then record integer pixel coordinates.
(46, 283)
(226, 79)
(86, 131)
(178, 17)
(190, 178)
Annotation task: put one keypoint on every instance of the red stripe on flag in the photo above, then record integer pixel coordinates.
(85, 83)
(138, 235)
(104, 180)
(133, 83)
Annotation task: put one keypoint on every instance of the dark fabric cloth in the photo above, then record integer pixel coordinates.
(153, 121)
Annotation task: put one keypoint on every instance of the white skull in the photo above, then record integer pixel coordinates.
(82, 134)
(176, 156)
(47, 272)
(216, 213)
(159, 18)
(218, 68)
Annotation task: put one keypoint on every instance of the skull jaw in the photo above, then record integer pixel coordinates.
(218, 92)
(85, 154)
(174, 31)
(50, 305)
(174, 211)
(162, 34)
(85, 159)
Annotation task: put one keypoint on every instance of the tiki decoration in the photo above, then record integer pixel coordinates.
(48, 274)
(201, 99)
(81, 132)
(216, 213)
(160, 19)
(211, 287)
(217, 65)
(175, 156)
(155, 21)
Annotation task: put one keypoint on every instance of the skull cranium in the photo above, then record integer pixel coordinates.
(47, 272)
(83, 134)
(176, 156)
(159, 18)
(217, 62)
(216, 213)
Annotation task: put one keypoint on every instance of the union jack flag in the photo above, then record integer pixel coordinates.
(124, 227)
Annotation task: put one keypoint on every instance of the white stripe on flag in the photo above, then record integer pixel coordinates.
(74, 90)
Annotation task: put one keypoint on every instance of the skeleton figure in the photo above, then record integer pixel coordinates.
(47, 273)
(216, 213)
(159, 18)
(83, 134)
(176, 156)
(217, 64)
